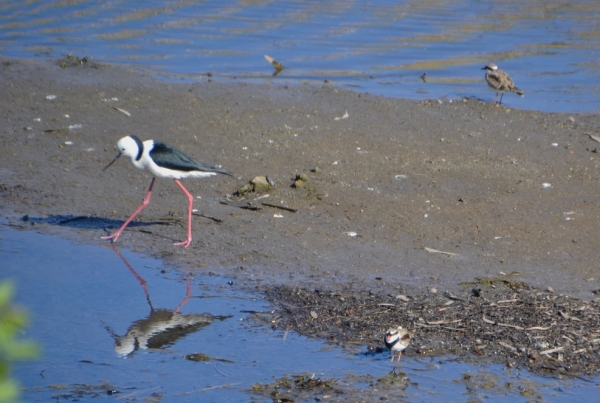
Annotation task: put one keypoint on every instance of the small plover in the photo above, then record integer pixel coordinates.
(397, 339)
(499, 81)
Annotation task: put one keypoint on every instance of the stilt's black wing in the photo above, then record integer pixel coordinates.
(170, 157)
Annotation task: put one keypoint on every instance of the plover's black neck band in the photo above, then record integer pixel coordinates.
(392, 344)
(140, 147)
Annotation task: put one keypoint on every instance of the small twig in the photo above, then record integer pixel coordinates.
(123, 111)
(453, 329)
(508, 346)
(444, 322)
(538, 328)
(218, 220)
(454, 297)
(218, 387)
(513, 326)
(486, 320)
(247, 205)
(552, 350)
(293, 210)
(431, 250)
(504, 301)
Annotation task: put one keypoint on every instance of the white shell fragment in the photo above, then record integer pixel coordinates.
(546, 186)
(344, 116)
(50, 97)
(351, 233)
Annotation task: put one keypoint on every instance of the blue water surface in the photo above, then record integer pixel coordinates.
(551, 49)
(84, 299)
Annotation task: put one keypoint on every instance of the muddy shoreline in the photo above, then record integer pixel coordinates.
(399, 195)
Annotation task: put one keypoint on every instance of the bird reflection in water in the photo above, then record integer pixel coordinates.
(162, 328)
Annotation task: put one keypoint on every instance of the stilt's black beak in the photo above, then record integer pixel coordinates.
(112, 162)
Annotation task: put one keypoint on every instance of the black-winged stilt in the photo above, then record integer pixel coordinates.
(162, 161)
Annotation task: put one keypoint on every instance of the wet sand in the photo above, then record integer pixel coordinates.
(390, 186)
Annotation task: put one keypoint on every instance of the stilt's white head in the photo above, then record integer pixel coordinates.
(129, 146)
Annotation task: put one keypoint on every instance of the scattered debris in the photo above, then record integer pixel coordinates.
(122, 111)
(259, 184)
(301, 181)
(292, 210)
(199, 357)
(278, 66)
(196, 357)
(241, 204)
(73, 61)
(506, 331)
(64, 130)
(431, 250)
(217, 220)
(344, 116)
(297, 388)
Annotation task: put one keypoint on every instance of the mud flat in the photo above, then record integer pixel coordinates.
(382, 197)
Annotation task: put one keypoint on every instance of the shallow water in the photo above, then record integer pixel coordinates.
(83, 299)
(550, 48)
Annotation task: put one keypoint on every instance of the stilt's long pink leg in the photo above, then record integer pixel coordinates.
(136, 212)
(191, 201)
